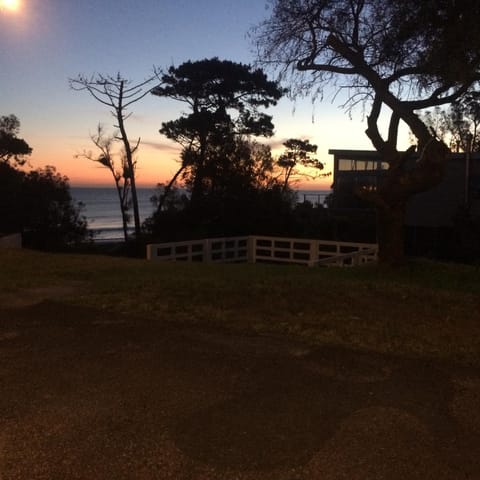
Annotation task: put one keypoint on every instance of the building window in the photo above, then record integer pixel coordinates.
(346, 165)
(351, 165)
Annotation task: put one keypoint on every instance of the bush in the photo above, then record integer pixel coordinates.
(39, 205)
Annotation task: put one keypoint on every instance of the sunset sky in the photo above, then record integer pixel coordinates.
(45, 42)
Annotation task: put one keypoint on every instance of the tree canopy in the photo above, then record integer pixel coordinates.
(226, 172)
(219, 93)
(50, 218)
(12, 148)
(225, 101)
(297, 161)
(38, 202)
(401, 57)
(406, 55)
(458, 125)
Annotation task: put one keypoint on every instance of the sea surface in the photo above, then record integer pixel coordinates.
(101, 208)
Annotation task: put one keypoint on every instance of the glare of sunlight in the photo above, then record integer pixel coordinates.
(10, 5)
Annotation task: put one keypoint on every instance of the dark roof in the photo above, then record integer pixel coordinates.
(374, 154)
(354, 153)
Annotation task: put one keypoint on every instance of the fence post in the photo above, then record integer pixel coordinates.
(313, 253)
(251, 248)
(207, 250)
(356, 258)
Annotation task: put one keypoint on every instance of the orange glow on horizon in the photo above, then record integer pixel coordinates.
(154, 166)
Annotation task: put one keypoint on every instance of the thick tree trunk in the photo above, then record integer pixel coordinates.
(390, 234)
(408, 174)
(406, 177)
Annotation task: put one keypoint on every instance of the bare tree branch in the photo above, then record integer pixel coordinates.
(118, 94)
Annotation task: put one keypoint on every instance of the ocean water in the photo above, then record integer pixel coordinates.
(101, 208)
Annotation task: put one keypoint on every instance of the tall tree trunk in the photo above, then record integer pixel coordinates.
(123, 210)
(130, 163)
(136, 212)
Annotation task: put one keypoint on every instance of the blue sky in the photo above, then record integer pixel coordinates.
(45, 42)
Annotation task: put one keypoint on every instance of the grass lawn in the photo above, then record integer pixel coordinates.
(425, 309)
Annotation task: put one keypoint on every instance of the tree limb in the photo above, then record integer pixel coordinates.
(435, 99)
(393, 130)
(372, 122)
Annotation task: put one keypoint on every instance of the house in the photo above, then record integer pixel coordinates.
(434, 208)
(431, 215)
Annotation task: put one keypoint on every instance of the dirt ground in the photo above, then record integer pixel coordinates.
(86, 394)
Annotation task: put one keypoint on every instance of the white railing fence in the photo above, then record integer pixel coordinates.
(255, 249)
(232, 249)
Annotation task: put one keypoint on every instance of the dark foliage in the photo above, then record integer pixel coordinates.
(225, 100)
(228, 177)
(13, 150)
(297, 161)
(219, 93)
(240, 198)
(39, 205)
(459, 124)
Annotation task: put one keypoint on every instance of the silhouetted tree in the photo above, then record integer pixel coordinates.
(118, 167)
(243, 197)
(224, 99)
(458, 125)
(12, 149)
(37, 203)
(10, 198)
(297, 161)
(400, 56)
(118, 94)
(50, 219)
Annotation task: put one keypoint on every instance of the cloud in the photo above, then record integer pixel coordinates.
(163, 146)
(276, 144)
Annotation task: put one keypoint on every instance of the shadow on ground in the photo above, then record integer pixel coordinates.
(90, 394)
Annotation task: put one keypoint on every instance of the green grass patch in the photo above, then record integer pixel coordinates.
(424, 309)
